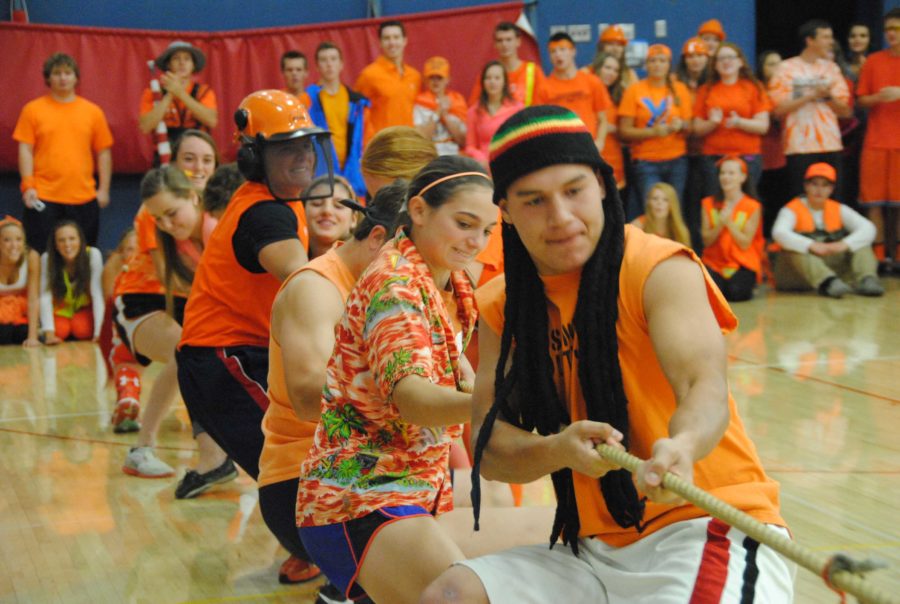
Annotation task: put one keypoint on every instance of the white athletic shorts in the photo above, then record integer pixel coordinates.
(701, 561)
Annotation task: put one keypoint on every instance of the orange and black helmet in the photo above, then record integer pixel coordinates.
(269, 116)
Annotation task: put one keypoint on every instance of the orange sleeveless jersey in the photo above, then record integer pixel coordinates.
(288, 439)
(732, 471)
(229, 305)
(724, 255)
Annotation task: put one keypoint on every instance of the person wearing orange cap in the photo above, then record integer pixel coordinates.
(824, 243)
(580, 91)
(809, 94)
(655, 115)
(390, 84)
(223, 356)
(440, 113)
(185, 103)
(879, 91)
(294, 70)
(613, 41)
(712, 34)
(524, 78)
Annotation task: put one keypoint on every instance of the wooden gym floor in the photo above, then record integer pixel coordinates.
(817, 382)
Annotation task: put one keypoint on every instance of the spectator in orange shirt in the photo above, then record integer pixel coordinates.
(294, 70)
(712, 34)
(879, 92)
(389, 83)
(185, 103)
(440, 113)
(581, 92)
(731, 113)
(809, 94)
(525, 78)
(654, 116)
(59, 134)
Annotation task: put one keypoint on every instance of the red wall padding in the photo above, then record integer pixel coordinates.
(113, 65)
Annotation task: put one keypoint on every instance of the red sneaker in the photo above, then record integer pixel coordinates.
(295, 570)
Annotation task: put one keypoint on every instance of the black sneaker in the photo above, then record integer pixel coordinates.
(195, 483)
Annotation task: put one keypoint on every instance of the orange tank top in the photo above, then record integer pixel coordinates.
(229, 305)
(732, 471)
(725, 256)
(287, 438)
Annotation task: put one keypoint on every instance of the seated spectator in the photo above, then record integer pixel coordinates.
(72, 303)
(824, 244)
(294, 70)
(731, 228)
(495, 104)
(440, 113)
(19, 280)
(662, 215)
(185, 103)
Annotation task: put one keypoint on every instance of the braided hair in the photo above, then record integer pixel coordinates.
(537, 405)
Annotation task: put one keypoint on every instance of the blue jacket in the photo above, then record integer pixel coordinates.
(351, 169)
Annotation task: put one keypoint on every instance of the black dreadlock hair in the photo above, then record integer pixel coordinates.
(525, 336)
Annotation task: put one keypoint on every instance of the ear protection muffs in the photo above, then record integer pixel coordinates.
(249, 156)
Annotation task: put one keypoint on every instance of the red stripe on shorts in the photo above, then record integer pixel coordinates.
(713, 569)
(251, 386)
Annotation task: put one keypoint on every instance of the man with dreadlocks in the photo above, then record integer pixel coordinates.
(600, 333)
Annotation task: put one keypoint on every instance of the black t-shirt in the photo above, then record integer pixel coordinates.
(261, 225)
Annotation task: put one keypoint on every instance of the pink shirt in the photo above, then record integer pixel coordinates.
(481, 126)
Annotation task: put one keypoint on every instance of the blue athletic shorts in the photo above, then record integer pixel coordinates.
(339, 549)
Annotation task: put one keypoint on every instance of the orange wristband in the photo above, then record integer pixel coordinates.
(27, 183)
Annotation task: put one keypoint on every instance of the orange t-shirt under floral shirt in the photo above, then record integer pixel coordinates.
(64, 137)
(732, 471)
(650, 105)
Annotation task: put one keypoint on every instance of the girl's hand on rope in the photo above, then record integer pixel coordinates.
(576, 447)
(669, 455)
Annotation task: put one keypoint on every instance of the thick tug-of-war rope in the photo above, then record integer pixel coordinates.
(840, 573)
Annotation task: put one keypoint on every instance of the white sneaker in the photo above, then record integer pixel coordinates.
(144, 463)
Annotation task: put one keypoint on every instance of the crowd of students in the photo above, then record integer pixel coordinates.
(209, 281)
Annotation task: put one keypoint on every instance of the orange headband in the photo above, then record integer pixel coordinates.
(559, 44)
(9, 220)
(736, 158)
(451, 177)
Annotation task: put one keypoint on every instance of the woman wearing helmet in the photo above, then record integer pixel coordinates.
(261, 238)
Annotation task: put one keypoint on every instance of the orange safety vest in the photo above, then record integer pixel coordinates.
(724, 255)
(834, 226)
(229, 305)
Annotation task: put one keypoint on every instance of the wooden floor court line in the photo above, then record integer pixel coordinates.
(96, 441)
(812, 378)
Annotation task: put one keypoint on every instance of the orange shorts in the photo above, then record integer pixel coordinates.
(879, 176)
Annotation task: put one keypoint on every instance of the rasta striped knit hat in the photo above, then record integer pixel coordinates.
(537, 137)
